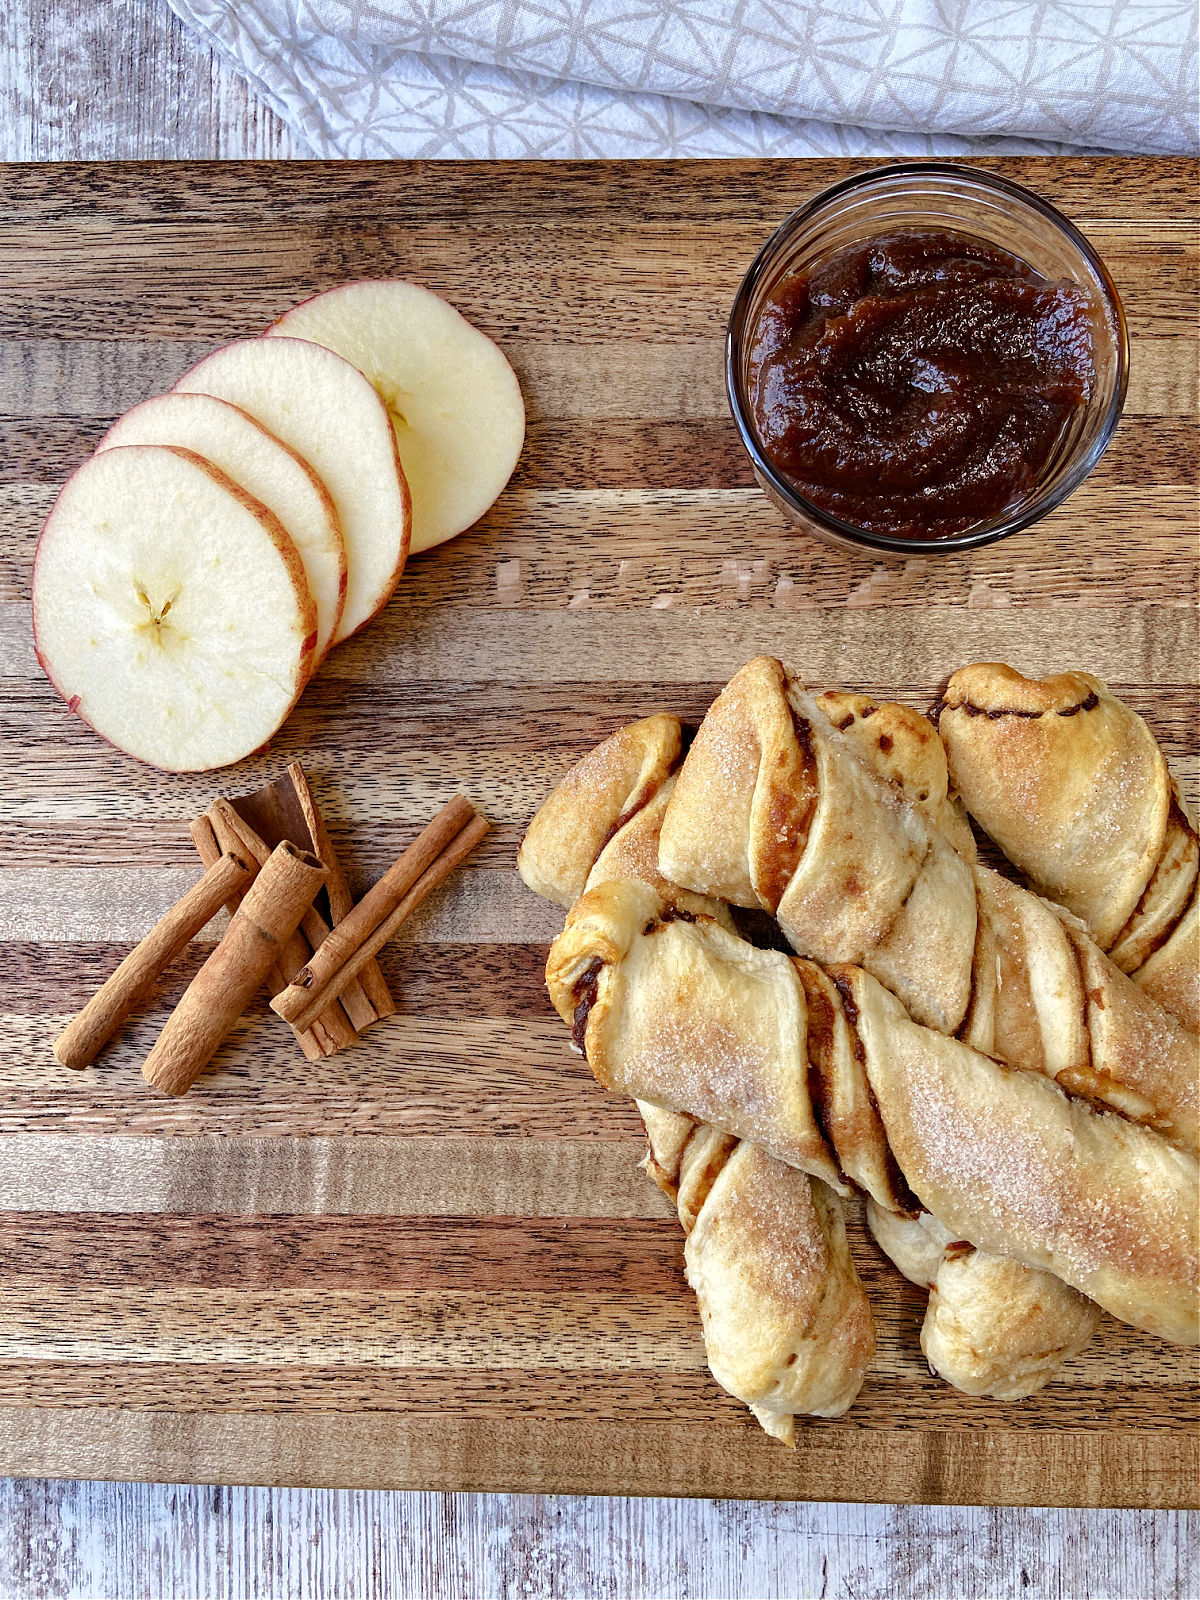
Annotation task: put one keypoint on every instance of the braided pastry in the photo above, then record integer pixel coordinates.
(688, 1016)
(858, 875)
(555, 855)
(787, 1327)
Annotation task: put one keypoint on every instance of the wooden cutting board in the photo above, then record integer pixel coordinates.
(431, 1262)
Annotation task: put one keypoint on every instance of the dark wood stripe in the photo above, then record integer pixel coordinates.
(433, 980)
(650, 1399)
(335, 196)
(640, 1256)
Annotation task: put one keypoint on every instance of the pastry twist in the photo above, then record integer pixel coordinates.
(1072, 786)
(787, 1327)
(998, 1349)
(775, 807)
(682, 1013)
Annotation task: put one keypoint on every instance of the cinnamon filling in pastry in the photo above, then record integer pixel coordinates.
(584, 994)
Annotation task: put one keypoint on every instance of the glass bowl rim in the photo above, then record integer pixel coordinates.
(998, 528)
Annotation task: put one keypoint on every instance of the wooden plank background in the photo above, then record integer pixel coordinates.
(430, 1262)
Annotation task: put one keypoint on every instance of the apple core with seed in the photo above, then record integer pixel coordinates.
(170, 609)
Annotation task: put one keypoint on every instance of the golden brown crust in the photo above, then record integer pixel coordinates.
(1067, 780)
(1171, 976)
(1142, 1061)
(993, 1326)
(873, 880)
(1165, 898)
(1004, 1160)
(605, 787)
(774, 1237)
(998, 1328)
(667, 1134)
(743, 803)
(845, 1106)
(690, 1017)
(787, 1325)
(1029, 1000)
(632, 852)
(904, 748)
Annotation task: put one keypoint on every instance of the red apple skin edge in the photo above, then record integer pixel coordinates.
(284, 544)
(405, 496)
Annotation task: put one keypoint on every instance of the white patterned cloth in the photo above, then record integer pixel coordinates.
(675, 78)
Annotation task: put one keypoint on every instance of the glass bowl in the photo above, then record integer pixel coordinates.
(940, 195)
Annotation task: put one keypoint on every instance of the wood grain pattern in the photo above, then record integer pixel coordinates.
(431, 1262)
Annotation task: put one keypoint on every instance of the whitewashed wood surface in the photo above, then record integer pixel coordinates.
(122, 80)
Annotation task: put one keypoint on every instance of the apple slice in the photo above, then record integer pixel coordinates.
(170, 608)
(265, 468)
(326, 411)
(454, 400)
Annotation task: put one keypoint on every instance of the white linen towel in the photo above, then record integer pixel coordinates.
(580, 78)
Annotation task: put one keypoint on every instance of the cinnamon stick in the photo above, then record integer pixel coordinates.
(205, 839)
(341, 903)
(383, 896)
(82, 1039)
(335, 1030)
(216, 997)
(285, 809)
(324, 978)
(209, 851)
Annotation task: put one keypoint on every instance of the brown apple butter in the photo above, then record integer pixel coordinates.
(916, 384)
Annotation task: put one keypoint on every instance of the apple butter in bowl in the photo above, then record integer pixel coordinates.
(926, 357)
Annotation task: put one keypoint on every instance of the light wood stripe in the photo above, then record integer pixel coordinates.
(1145, 644)
(982, 1466)
(1141, 644)
(1136, 643)
(623, 377)
(479, 906)
(646, 547)
(359, 1176)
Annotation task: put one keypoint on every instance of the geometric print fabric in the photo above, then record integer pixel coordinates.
(694, 78)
